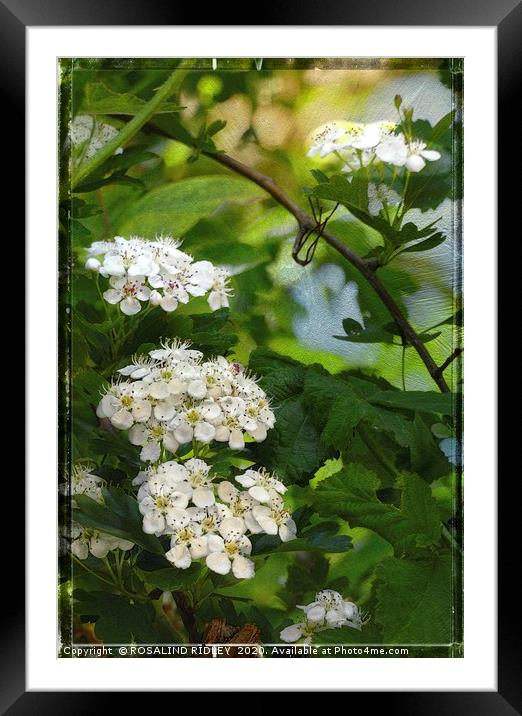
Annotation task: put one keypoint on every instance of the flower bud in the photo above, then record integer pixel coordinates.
(92, 264)
(155, 298)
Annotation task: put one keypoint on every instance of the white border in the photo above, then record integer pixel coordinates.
(477, 670)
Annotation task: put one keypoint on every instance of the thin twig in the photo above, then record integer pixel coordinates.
(450, 359)
(307, 224)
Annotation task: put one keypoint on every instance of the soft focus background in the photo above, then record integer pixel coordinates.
(278, 304)
(270, 116)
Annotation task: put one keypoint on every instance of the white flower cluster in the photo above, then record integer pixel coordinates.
(181, 500)
(155, 271)
(328, 611)
(359, 145)
(86, 539)
(172, 396)
(89, 135)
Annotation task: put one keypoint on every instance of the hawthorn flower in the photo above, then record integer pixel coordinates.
(125, 404)
(196, 421)
(195, 478)
(209, 518)
(127, 292)
(417, 154)
(229, 550)
(155, 271)
(328, 611)
(88, 135)
(187, 541)
(99, 544)
(381, 195)
(240, 504)
(261, 485)
(331, 609)
(161, 502)
(219, 290)
(152, 437)
(329, 138)
(393, 150)
(83, 482)
(128, 258)
(274, 519)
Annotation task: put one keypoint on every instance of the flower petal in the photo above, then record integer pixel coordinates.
(218, 562)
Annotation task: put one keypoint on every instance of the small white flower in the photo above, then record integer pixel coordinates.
(161, 502)
(187, 543)
(393, 150)
(125, 404)
(99, 544)
(274, 519)
(417, 154)
(89, 135)
(329, 138)
(380, 195)
(228, 551)
(219, 290)
(261, 485)
(128, 292)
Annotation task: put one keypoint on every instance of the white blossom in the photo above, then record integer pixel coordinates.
(328, 611)
(261, 485)
(88, 135)
(127, 292)
(380, 195)
(155, 271)
(230, 549)
(172, 396)
(99, 544)
(417, 154)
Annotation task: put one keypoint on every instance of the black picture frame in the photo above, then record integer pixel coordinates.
(506, 15)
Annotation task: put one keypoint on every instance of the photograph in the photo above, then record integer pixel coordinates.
(261, 351)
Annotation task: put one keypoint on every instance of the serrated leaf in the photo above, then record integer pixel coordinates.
(352, 494)
(119, 620)
(414, 600)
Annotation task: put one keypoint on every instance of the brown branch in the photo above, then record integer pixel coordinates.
(187, 617)
(307, 223)
(449, 360)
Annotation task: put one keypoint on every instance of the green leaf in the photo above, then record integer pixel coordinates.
(119, 516)
(316, 542)
(369, 333)
(352, 494)
(293, 447)
(424, 401)
(427, 244)
(119, 620)
(216, 127)
(414, 600)
(170, 579)
(174, 208)
(100, 99)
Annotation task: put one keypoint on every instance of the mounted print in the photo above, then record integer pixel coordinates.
(261, 358)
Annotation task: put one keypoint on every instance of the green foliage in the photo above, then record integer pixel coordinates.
(368, 484)
(118, 516)
(175, 208)
(352, 494)
(118, 619)
(414, 604)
